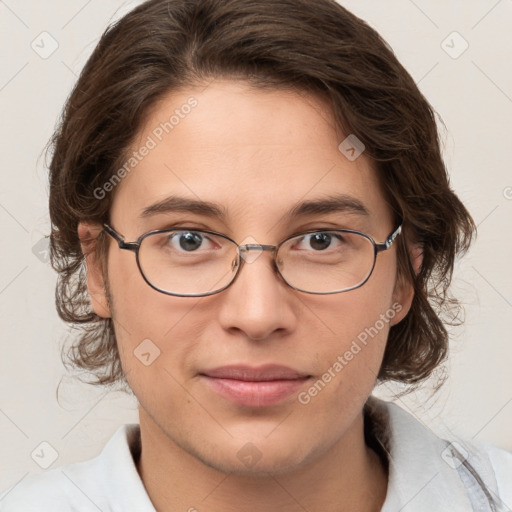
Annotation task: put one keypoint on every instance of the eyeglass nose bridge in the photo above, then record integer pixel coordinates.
(245, 255)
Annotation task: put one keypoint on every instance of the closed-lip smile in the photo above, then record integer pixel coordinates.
(252, 386)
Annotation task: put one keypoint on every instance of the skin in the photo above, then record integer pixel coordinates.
(257, 153)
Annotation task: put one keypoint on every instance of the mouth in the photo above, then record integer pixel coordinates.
(254, 386)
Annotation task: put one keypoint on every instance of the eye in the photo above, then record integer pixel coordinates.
(189, 241)
(320, 241)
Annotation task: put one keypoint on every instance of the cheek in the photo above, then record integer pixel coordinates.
(154, 331)
(141, 311)
(349, 353)
(357, 341)
(348, 366)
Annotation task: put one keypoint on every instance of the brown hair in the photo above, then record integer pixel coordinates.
(319, 48)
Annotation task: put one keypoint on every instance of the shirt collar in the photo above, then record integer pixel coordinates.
(111, 480)
(420, 474)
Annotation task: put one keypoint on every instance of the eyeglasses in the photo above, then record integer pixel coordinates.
(194, 263)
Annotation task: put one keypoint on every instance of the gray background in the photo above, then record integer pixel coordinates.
(471, 89)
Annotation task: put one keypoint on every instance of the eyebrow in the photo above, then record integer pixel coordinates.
(183, 204)
(331, 204)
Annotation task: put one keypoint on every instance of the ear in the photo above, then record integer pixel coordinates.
(404, 291)
(88, 233)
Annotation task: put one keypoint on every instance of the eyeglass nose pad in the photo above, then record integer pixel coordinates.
(249, 256)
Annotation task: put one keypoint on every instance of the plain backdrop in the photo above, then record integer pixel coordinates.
(459, 53)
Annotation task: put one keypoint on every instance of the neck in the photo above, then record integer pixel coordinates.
(349, 477)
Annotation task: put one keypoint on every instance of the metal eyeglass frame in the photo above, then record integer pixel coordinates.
(134, 246)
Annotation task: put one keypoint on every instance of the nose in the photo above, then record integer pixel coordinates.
(258, 303)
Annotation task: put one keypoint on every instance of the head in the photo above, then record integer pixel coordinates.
(244, 104)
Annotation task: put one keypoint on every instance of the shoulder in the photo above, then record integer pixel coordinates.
(44, 491)
(501, 462)
(109, 482)
(55, 489)
(462, 473)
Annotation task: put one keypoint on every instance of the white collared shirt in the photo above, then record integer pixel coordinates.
(426, 474)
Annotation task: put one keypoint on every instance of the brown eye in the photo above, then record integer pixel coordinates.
(189, 241)
(319, 241)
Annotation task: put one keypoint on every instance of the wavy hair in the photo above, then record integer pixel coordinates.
(164, 45)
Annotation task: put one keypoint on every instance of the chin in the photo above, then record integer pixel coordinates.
(259, 458)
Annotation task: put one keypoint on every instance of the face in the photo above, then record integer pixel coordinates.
(257, 155)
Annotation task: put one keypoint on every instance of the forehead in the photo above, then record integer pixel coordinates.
(254, 152)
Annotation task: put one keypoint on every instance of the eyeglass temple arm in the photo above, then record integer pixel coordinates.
(389, 240)
(130, 246)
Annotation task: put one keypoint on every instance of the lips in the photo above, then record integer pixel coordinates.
(254, 386)
(258, 374)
